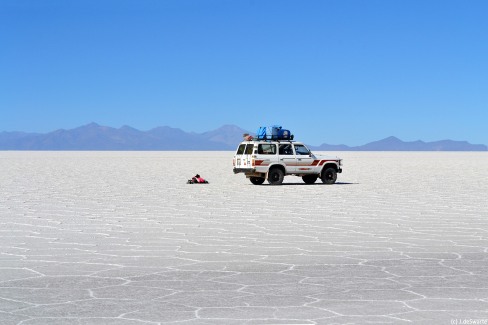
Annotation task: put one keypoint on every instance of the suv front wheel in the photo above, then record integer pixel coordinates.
(275, 176)
(329, 175)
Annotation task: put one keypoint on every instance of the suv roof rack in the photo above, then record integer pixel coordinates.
(270, 140)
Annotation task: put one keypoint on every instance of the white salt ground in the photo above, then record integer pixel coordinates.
(120, 238)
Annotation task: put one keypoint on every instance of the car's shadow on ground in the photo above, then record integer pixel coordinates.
(315, 184)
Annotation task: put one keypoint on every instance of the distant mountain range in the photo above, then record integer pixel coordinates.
(97, 137)
(395, 144)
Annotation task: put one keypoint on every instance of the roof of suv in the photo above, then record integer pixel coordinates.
(271, 141)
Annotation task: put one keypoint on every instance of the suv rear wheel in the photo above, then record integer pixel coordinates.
(275, 176)
(329, 175)
(256, 180)
(310, 179)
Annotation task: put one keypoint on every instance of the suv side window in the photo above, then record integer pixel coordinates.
(240, 150)
(286, 149)
(301, 150)
(267, 149)
(249, 148)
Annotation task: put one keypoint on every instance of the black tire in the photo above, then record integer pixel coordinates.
(256, 180)
(275, 176)
(310, 179)
(329, 176)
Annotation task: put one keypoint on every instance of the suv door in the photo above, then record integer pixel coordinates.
(304, 159)
(287, 157)
(243, 155)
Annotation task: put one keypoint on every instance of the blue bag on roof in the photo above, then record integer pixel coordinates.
(274, 132)
(284, 134)
(261, 134)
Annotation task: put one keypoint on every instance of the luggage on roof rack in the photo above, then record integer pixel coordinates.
(274, 132)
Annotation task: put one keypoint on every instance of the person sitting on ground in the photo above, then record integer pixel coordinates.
(197, 179)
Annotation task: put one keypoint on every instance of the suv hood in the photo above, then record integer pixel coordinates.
(325, 157)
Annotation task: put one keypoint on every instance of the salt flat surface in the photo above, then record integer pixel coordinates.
(120, 238)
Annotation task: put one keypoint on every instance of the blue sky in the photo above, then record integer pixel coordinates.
(339, 72)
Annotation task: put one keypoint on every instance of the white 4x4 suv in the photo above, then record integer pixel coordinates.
(272, 160)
